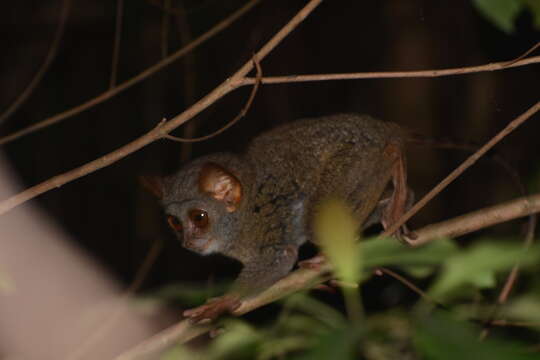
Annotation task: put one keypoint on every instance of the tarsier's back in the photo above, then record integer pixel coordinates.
(340, 156)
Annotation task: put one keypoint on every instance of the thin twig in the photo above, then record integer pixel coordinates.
(464, 166)
(525, 54)
(240, 115)
(478, 219)
(44, 67)
(268, 80)
(162, 128)
(117, 40)
(134, 80)
(502, 65)
(307, 278)
(382, 270)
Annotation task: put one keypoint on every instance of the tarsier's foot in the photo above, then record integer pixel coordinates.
(314, 263)
(212, 309)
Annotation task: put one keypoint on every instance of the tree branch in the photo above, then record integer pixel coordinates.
(502, 65)
(162, 128)
(478, 219)
(134, 80)
(305, 279)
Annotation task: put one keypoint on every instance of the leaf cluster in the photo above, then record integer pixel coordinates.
(462, 279)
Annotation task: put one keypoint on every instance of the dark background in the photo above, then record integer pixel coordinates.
(116, 221)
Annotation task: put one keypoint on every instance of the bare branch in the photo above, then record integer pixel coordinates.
(502, 65)
(134, 80)
(162, 128)
(478, 220)
(525, 54)
(44, 67)
(307, 278)
(240, 115)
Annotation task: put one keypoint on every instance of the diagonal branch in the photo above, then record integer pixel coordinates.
(240, 115)
(232, 83)
(134, 80)
(162, 128)
(305, 279)
(44, 67)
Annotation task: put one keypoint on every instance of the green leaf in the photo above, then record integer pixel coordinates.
(327, 315)
(301, 324)
(441, 337)
(389, 251)
(502, 13)
(478, 265)
(525, 308)
(276, 348)
(336, 234)
(335, 345)
(186, 293)
(180, 352)
(239, 340)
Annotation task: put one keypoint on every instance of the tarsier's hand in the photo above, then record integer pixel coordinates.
(212, 309)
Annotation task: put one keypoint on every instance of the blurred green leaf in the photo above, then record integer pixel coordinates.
(186, 293)
(526, 308)
(389, 336)
(180, 352)
(441, 337)
(502, 13)
(239, 340)
(334, 345)
(336, 233)
(389, 251)
(478, 265)
(279, 347)
(326, 314)
(418, 271)
(301, 324)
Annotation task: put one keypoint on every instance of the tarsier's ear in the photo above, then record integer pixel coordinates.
(221, 185)
(154, 184)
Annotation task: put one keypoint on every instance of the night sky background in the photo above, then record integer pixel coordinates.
(116, 221)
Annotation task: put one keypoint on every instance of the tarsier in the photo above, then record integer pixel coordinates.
(258, 207)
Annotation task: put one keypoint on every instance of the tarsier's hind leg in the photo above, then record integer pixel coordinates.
(401, 197)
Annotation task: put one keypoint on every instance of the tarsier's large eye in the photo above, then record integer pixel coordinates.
(174, 223)
(199, 217)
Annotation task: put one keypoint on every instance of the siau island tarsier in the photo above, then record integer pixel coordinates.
(258, 207)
